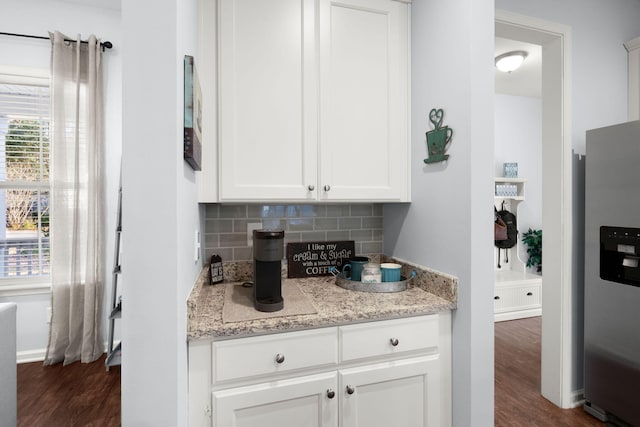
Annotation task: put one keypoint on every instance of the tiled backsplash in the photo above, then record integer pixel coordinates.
(226, 226)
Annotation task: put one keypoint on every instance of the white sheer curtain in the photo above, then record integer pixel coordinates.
(76, 205)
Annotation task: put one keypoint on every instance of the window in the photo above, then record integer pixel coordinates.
(24, 182)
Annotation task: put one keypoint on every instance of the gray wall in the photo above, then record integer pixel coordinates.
(599, 98)
(447, 227)
(160, 212)
(226, 226)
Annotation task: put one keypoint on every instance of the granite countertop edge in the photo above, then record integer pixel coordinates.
(429, 292)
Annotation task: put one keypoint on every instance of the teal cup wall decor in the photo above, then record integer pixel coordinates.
(390, 271)
(439, 138)
(353, 269)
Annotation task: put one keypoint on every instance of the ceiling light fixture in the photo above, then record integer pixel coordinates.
(510, 61)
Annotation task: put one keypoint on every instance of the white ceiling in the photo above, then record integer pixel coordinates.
(526, 80)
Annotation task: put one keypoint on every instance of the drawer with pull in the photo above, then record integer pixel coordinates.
(388, 337)
(517, 297)
(271, 354)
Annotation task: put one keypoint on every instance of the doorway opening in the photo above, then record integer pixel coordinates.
(557, 350)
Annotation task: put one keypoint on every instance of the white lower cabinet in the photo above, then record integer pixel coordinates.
(401, 377)
(401, 393)
(308, 401)
(517, 299)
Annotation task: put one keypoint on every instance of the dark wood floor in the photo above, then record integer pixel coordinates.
(80, 394)
(518, 401)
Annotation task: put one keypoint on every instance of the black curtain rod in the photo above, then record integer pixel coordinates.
(104, 45)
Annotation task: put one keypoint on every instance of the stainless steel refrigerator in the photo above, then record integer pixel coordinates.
(612, 274)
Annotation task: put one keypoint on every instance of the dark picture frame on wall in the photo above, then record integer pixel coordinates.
(192, 115)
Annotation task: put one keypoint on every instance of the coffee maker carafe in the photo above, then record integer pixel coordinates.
(268, 251)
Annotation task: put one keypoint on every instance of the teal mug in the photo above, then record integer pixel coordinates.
(354, 268)
(390, 272)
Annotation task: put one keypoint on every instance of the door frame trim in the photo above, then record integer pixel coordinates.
(557, 216)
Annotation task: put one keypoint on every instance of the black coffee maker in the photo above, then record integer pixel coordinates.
(268, 251)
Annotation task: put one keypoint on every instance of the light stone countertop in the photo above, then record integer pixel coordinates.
(428, 293)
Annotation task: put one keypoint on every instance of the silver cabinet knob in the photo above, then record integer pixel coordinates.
(311, 187)
(350, 389)
(279, 358)
(327, 187)
(331, 394)
(394, 341)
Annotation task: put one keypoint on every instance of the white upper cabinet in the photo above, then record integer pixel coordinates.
(268, 101)
(364, 100)
(313, 100)
(207, 178)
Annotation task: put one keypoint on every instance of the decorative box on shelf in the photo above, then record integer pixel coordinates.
(506, 190)
(510, 170)
(510, 188)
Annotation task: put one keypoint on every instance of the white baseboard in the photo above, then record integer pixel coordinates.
(38, 355)
(520, 314)
(29, 356)
(577, 398)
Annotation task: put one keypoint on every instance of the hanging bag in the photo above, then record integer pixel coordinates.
(512, 229)
(499, 227)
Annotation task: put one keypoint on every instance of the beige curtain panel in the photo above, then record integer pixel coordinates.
(76, 206)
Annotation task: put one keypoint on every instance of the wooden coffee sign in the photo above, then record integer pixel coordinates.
(311, 259)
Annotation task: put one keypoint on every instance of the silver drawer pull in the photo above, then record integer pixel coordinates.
(311, 187)
(529, 294)
(331, 394)
(394, 341)
(327, 187)
(350, 389)
(279, 358)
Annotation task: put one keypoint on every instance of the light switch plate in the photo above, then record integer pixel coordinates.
(197, 247)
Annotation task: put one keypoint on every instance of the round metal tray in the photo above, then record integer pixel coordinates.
(354, 285)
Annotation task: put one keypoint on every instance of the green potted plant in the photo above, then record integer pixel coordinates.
(533, 240)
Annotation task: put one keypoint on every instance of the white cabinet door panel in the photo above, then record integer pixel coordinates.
(266, 59)
(401, 393)
(364, 96)
(297, 402)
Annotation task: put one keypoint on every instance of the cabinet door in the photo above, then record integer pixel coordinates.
(364, 100)
(297, 402)
(199, 384)
(268, 103)
(401, 393)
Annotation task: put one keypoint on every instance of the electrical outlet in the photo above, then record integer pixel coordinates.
(197, 246)
(250, 227)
